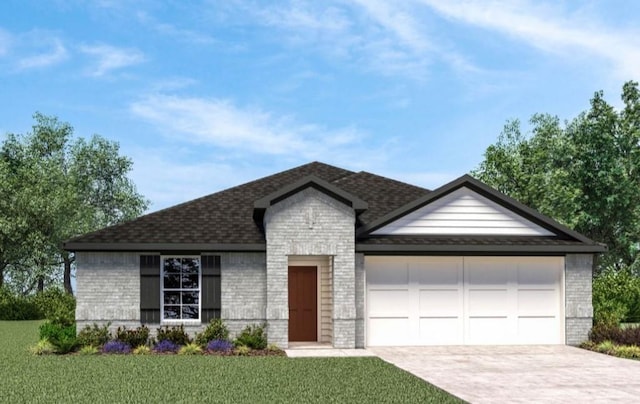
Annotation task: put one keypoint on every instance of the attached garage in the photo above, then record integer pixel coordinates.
(470, 300)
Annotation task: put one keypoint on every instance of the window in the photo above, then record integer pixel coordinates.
(181, 288)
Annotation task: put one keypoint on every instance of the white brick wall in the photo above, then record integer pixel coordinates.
(243, 289)
(108, 286)
(311, 223)
(578, 297)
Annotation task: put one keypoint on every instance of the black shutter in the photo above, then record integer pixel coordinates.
(149, 289)
(210, 287)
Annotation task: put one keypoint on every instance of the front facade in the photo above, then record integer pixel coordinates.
(322, 254)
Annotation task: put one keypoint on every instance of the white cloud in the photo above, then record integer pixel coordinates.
(5, 42)
(56, 54)
(549, 29)
(109, 58)
(181, 34)
(221, 123)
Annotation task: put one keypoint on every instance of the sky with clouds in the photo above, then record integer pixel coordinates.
(207, 94)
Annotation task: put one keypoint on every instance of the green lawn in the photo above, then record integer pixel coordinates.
(190, 379)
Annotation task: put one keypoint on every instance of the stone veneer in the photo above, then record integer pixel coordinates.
(311, 223)
(578, 276)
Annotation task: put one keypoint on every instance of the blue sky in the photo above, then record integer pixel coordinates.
(204, 95)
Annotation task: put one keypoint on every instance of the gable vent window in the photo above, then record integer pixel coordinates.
(181, 286)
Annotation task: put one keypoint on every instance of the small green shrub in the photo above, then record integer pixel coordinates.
(136, 337)
(606, 347)
(216, 330)
(142, 350)
(175, 334)
(43, 347)
(56, 306)
(252, 336)
(95, 335)
(242, 350)
(190, 349)
(273, 348)
(88, 350)
(627, 351)
(63, 337)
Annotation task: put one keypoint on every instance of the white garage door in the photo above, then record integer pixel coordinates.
(464, 300)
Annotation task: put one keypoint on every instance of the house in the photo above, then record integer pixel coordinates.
(350, 259)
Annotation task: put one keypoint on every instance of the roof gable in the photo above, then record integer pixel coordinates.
(311, 181)
(466, 181)
(462, 212)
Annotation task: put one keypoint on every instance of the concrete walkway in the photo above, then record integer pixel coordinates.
(326, 352)
(521, 374)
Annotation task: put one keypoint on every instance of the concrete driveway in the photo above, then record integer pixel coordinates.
(521, 374)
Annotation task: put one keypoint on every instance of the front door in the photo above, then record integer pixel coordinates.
(303, 303)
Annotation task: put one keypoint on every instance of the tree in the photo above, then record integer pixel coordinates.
(585, 173)
(60, 187)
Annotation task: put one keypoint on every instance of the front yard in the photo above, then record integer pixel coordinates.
(173, 378)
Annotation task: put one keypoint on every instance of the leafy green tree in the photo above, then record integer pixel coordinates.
(584, 173)
(60, 187)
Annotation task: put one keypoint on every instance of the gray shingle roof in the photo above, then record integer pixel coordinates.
(226, 217)
(225, 221)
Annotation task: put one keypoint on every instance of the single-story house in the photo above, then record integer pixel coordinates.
(351, 259)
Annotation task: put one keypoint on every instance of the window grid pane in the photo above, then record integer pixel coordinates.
(181, 284)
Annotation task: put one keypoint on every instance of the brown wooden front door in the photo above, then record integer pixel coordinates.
(303, 304)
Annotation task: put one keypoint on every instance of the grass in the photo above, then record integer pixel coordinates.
(177, 378)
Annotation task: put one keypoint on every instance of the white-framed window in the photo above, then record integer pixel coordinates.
(180, 288)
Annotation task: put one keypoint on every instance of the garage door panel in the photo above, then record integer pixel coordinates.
(389, 303)
(482, 275)
(440, 331)
(443, 271)
(538, 330)
(388, 331)
(534, 277)
(537, 302)
(488, 302)
(440, 302)
(388, 275)
(488, 330)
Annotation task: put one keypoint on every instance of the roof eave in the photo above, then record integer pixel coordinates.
(494, 249)
(176, 247)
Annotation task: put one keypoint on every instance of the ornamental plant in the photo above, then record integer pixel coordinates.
(95, 335)
(166, 346)
(116, 347)
(135, 337)
(175, 334)
(252, 336)
(190, 349)
(219, 345)
(216, 330)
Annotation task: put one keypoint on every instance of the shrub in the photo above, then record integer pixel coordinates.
(95, 336)
(242, 350)
(606, 347)
(116, 347)
(190, 349)
(252, 336)
(627, 351)
(175, 334)
(17, 307)
(142, 350)
(43, 347)
(166, 346)
(136, 337)
(63, 337)
(615, 334)
(616, 296)
(88, 350)
(219, 345)
(216, 330)
(273, 348)
(56, 306)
